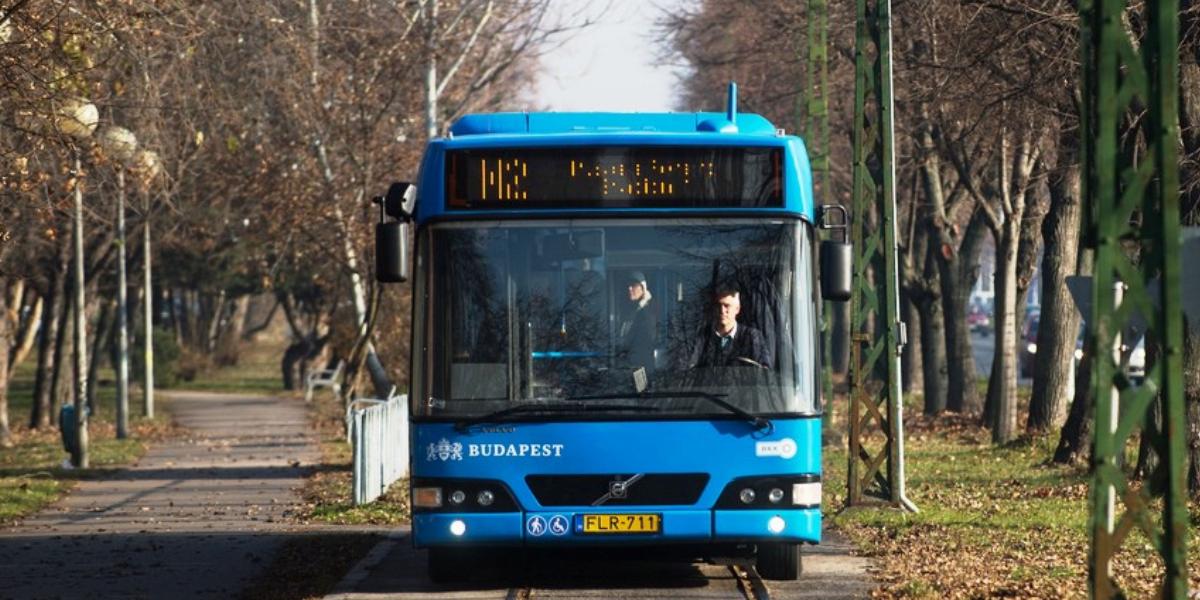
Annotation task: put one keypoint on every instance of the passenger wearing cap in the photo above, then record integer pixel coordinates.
(637, 331)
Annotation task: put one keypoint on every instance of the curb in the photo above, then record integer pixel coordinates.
(363, 567)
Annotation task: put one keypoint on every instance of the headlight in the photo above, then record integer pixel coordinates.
(485, 498)
(774, 491)
(461, 495)
(1031, 348)
(776, 524)
(807, 494)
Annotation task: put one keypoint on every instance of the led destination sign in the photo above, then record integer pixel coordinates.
(614, 177)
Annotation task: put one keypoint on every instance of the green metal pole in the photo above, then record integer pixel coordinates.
(895, 400)
(816, 103)
(862, 299)
(1123, 187)
(1162, 63)
(877, 333)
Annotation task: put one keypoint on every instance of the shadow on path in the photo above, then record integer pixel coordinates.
(197, 517)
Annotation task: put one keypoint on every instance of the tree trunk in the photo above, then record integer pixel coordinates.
(1074, 440)
(27, 334)
(379, 377)
(101, 340)
(925, 292)
(41, 409)
(5, 343)
(1004, 373)
(189, 313)
(430, 15)
(1059, 322)
(61, 385)
(913, 377)
(1011, 277)
(177, 305)
(1191, 389)
(933, 353)
(216, 310)
(1189, 206)
(958, 274)
(1076, 436)
(250, 328)
(230, 335)
(1147, 457)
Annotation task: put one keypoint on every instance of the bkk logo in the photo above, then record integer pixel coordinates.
(445, 450)
(785, 448)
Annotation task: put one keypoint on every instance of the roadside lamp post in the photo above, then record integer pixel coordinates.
(147, 165)
(77, 118)
(121, 145)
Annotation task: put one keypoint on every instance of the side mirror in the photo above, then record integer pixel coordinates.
(391, 252)
(836, 257)
(391, 238)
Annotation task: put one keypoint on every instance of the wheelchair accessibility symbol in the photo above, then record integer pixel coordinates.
(558, 525)
(536, 526)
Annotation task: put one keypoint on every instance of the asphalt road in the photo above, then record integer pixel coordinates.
(202, 516)
(983, 345)
(395, 570)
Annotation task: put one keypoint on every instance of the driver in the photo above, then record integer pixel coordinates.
(730, 343)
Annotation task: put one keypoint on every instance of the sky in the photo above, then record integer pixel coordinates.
(612, 65)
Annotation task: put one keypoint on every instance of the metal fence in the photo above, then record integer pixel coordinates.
(379, 435)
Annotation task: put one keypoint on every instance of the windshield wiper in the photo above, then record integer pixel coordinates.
(758, 422)
(567, 405)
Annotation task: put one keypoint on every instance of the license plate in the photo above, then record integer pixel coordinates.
(626, 523)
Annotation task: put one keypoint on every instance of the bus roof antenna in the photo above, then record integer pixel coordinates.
(731, 104)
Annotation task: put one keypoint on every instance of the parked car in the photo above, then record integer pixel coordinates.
(1028, 343)
(979, 318)
(1135, 369)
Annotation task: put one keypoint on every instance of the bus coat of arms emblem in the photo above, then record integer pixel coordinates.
(444, 450)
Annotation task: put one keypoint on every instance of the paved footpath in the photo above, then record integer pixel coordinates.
(197, 517)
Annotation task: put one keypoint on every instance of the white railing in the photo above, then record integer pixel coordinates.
(379, 437)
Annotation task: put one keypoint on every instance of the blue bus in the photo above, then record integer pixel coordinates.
(615, 336)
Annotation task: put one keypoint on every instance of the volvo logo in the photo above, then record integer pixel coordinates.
(618, 488)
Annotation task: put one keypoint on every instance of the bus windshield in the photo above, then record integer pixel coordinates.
(634, 312)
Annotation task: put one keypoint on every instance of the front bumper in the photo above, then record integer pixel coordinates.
(556, 528)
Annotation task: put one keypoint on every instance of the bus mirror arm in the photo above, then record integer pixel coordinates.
(836, 256)
(400, 200)
(391, 241)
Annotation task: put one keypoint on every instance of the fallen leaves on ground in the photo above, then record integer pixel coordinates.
(994, 522)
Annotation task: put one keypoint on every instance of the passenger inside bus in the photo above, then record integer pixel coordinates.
(729, 343)
(637, 331)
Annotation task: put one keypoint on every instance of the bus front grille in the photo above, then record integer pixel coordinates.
(644, 489)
